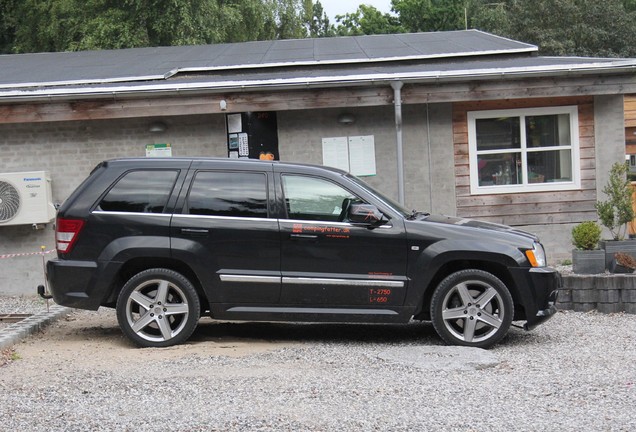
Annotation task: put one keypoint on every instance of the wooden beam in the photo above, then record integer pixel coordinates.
(193, 105)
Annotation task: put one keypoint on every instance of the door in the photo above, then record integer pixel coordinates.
(327, 261)
(225, 233)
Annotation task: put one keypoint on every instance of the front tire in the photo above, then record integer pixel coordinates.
(472, 308)
(158, 308)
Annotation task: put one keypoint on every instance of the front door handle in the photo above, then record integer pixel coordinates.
(303, 236)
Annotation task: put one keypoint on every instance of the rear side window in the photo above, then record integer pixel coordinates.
(236, 194)
(140, 192)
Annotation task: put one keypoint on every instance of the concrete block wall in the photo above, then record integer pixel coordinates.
(607, 293)
(69, 151)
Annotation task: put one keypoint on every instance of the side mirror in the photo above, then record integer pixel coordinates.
(366, 214)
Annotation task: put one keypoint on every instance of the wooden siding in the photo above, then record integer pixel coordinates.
(532, 208)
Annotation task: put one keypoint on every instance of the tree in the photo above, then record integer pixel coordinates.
(430, 15)
(562, 27)
(367, 20)
(319, 25)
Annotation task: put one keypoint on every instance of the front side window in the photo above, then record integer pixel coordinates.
(143, 191)
(523, 150)
(231, 194)
(311, 198)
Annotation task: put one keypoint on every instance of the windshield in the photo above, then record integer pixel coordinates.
(388, 201)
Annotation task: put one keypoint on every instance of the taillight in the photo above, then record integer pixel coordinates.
(66, 233)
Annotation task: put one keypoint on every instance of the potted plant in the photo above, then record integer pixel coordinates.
(616, 212)
(586, 257)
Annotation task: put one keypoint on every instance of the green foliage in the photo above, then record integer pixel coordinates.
(367, 20)
(562, 27)
(558, 27)
(586, 235)
(615, 212)
(430, 15)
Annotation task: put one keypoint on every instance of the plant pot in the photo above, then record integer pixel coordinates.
(613, 246)
(588, 261)
(617, 268)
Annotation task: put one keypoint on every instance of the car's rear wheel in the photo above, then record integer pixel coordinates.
(158, 308)
(472, 308)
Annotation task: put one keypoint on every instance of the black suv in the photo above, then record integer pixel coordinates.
(166, 240)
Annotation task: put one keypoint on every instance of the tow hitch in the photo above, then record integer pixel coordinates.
(42, 293)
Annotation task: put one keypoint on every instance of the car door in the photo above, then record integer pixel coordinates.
(225, 232)
(327, 261)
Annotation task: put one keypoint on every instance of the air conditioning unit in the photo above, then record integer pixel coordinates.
(25, 198)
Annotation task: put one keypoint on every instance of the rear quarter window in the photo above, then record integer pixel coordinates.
(144, 191)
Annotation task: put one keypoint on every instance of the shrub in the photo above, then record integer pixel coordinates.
(586, 235)
(616, 211)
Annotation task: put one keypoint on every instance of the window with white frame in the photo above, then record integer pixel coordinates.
(524, 150)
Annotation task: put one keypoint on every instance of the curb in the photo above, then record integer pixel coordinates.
(15, 332)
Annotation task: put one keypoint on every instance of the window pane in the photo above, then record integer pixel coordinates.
(549, 166)
(499, 169)
(548, 130)
(310, 198)
(140, 192)
(498, 133)
(236, 194)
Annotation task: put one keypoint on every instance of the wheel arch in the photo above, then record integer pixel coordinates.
(498, 268)
(136, 265)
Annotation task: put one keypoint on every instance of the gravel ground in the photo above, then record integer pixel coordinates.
(575, 372)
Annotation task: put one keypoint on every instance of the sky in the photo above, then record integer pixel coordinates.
(341, 7)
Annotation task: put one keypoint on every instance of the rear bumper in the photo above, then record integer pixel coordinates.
(72, 283)
(538, 290)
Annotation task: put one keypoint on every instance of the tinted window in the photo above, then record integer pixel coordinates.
(310, 198)
(141, 192)
(241, 194)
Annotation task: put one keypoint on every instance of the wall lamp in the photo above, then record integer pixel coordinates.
(346, 119)
(158, 126)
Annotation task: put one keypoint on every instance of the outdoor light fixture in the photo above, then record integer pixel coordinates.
(346, 119)
(157, 127)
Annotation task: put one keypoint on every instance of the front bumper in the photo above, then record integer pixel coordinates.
(537, 292)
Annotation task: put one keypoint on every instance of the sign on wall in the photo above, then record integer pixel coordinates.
(355, 154)
(158, 150)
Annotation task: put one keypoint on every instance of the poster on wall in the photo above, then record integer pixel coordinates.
(355, 154)
(335, 153)
(234, 123)
(158, 150)
(362, 155)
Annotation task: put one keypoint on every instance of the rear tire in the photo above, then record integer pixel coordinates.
(472, 308)
(158, 308)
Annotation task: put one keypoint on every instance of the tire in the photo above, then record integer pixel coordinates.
(158, 308)
(472, 308)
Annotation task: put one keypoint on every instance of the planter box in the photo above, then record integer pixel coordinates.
(613, 246)
(588, 261)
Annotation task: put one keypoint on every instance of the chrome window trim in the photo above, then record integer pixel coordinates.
(121, 213)
(253, 219)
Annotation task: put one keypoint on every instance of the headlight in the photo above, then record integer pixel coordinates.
(536, 255)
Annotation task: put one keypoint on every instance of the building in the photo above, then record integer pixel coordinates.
(462, 123)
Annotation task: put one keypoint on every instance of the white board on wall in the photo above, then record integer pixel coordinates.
(355, 154)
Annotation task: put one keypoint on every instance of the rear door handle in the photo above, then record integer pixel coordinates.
(195, 232)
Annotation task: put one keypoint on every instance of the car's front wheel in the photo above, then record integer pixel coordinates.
(158, 308)
(472, 308)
